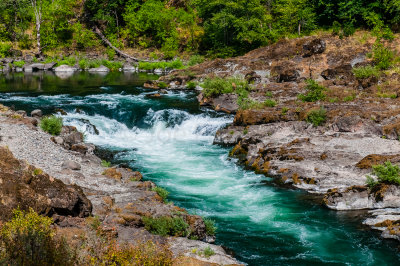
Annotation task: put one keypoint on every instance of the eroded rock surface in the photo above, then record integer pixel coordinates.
(361, 127)
(118, 196)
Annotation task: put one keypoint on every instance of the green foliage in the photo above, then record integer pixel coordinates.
(112, 65)
(163, 226)
(370, 182)
(191, 85)
(365, 72)
(176, 64)
(315, 92)
(110, 53)
(382, 56)
(19, 63)
(69, 61)
(349, 98)
(386, 173)
(211, 229)
(162, 85)
(270, 103)
(316, 117)
(213, 87)
(195, 60)
(162, 192)
(83, 37)
(51, 124)
(5, 49)
(208, 252)
(28, 239)
(104, 163)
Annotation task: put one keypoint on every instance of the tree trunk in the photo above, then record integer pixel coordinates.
(37, 9)
(107, 42)
(39, 46)
(299, 29)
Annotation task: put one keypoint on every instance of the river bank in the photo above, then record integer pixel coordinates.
(274, 133)
(169, 140)
(115, 195)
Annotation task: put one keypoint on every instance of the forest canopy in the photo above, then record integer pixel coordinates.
(211, 27)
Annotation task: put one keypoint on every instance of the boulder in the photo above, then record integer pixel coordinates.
(49, 66)
(289, 75)
(37, 113)
(25, 186)
(72, 138)
(58, 140)
(252, 77)
(129, 68)
(316, 46)
(72, 165)
(64, 68)
(99, 69)
(360, 197)
(34, 67)
(21, 113)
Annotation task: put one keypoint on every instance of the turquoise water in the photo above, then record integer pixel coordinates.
(169, 139)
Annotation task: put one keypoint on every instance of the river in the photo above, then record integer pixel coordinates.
(169, 139)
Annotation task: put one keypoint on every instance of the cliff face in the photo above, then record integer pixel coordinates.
(359, 126)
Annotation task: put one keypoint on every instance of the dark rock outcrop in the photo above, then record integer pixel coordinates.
(24, 186)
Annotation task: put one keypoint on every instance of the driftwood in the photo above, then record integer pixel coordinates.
(118, 51)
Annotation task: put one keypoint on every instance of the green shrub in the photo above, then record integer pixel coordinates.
(69, 61)
(208, 252)
(316, 117)
(270, 103)
(28, 239)
(110, 53)
(214, 87)
(365, 72)
(25, 42)
(349, 98)
(104, 163)
(176, 64)
(386, 173)
(195, 60)
(382, 56)
(162, 85)
(165, 225)
(284, 110)
(211, 229)
(83, 63)
(315, 92)
(370, 182)
(191, 85)
(162, 192)
(51, 124)
(5, 49)
(19, 63)
(112, 65)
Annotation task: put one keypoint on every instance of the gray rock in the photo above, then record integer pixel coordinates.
(72, 165)
(99, 69)
(21, 112)
(34, 67)
(59, 140)
(316, 46)
(129, 68)
(37, 113)
(64, 68)
(49, 66)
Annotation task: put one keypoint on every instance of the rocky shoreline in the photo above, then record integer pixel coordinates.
(333, 159)
(62, 178)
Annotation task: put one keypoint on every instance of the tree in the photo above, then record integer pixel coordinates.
(37, 6)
